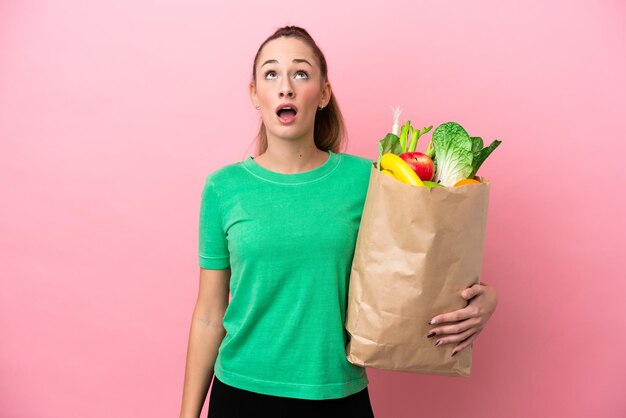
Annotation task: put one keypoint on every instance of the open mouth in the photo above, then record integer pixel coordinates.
(286, 113)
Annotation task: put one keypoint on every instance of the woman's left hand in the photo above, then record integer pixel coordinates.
(463, 326)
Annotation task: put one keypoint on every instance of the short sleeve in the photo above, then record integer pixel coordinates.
(212, 244)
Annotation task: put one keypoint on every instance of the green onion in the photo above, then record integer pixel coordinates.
(395, 129)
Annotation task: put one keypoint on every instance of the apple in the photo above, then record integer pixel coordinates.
(420, 163)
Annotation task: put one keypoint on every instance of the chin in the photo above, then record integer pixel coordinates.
(288, 132)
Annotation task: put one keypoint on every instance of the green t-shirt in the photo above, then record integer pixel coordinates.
(289, 240)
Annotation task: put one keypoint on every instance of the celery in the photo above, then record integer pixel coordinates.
(404, 134)
(415, 134)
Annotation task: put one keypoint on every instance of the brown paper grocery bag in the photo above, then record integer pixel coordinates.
(416, 250)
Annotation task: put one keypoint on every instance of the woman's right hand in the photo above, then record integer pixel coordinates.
(205, 336)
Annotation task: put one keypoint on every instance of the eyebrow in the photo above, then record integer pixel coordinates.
(296, 61)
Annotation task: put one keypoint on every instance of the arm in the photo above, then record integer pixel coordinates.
(205, 336)
(463, 326)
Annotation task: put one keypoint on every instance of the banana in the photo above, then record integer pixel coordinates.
(400, 169)
(388, 173)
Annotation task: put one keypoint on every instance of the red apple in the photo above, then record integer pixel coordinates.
(421, 164)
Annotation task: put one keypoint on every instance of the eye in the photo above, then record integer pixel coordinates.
(270, 75)
(301, 74)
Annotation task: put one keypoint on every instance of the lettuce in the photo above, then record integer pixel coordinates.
(454, 153)
(457, 156)
(481, 155)
(390, 143)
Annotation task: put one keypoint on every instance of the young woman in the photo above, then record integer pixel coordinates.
(278, 231)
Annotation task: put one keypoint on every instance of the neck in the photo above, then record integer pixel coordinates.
(291, 157)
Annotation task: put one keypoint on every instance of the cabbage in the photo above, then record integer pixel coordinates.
(457, 156)
(454, 153)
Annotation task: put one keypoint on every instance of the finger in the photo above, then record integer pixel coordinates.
(456, 337)
(472, 292)
(455, 328)
(459, 315)
(469, 342)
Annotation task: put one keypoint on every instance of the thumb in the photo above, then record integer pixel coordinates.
(471, 292)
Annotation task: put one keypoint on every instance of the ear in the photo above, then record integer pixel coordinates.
(253, 96)
(327, 92)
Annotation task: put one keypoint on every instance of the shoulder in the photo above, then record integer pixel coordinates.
(355, 171)
(224, 176)
(223, 182)
(356, 162)
(356, 159)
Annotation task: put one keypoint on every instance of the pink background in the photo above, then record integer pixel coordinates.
(112, 113)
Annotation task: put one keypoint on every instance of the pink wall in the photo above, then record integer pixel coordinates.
(111, 116)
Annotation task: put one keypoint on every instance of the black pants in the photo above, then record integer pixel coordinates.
(226, 401)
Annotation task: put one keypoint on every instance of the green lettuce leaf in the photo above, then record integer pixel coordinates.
(477, 144)
(481, 156)
(390, 143)
(453, 151)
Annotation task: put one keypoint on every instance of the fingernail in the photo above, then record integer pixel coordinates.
(431, 322)
(437, 343)
(431, 334)
(454, 353)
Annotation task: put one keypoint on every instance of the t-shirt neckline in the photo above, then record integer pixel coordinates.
(296, 178)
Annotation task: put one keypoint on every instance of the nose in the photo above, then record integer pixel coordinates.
(286, 90)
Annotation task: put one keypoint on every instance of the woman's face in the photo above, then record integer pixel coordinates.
(288, 88)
